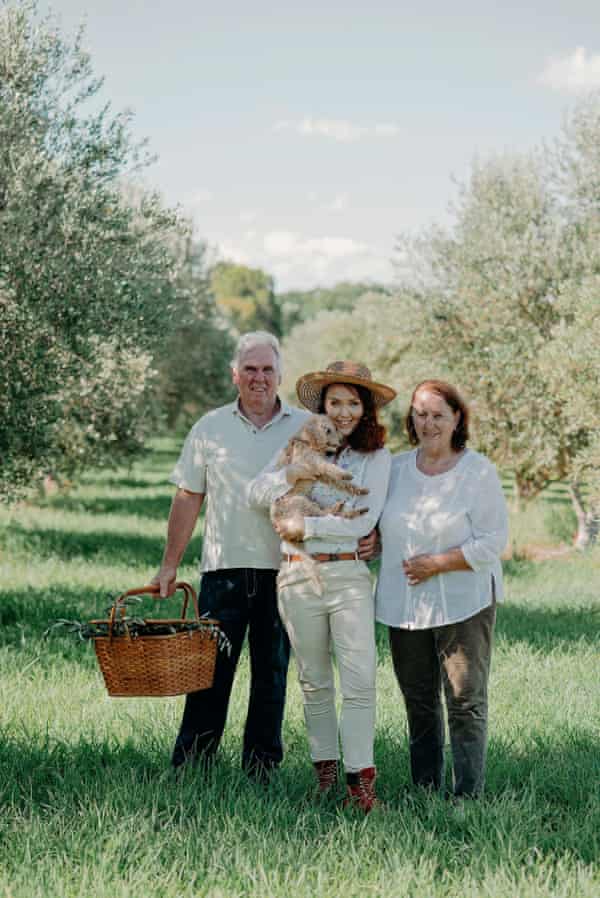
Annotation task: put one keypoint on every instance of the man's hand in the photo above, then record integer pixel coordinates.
(291, 528)
(420, 568)
(369, 547)
(165, 578)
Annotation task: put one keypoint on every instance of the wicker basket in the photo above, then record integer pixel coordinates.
(161, 665)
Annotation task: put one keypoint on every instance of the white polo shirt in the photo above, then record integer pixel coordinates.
(222, 453)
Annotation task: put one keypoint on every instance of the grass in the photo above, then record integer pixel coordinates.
(90, 808)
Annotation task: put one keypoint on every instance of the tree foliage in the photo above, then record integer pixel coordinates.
(193, 362)
(509, 298)
(488, 304)
(246, 297)
(87, 278)
(302, 305)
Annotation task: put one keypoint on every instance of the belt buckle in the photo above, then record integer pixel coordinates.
(334, 556)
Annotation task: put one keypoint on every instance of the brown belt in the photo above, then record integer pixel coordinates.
(325, 556)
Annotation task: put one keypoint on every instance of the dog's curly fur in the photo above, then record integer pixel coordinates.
(309, 448)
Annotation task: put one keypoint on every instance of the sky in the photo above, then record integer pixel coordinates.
(304, 137)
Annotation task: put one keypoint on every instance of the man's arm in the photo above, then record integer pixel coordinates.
(369, 546)
(185, 509)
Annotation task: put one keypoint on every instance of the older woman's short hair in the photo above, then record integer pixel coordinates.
(250, 341)
(453, 398)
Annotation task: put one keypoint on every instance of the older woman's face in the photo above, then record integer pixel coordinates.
(434, 421)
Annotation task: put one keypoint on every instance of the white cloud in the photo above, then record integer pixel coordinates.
(200, 198)
(230, 252)
(574, 72)
(302, 262)
(247, 216)
(336, 129)
(336, 247)
(280, 243)
(286, 243)
(338, 204)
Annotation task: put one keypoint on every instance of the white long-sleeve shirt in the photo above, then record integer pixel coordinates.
(463, 507)
(331, 533)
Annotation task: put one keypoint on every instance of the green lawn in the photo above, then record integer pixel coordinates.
(89, 806)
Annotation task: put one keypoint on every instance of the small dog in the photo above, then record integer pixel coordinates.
(309, 449)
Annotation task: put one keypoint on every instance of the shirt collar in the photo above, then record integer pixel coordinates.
(284, 411)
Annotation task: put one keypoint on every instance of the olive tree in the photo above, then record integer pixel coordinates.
(487, 293)
(508, 296)
(193, 361)
(87, 278)
(571, 362)
(246, 296)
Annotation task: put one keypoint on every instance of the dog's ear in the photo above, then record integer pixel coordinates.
(328, 426)
(285, 456)
(316, 432)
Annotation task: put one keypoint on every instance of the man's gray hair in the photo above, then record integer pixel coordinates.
(250, 341)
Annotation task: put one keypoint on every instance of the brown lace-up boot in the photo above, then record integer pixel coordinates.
(361, 790)
(327, 775)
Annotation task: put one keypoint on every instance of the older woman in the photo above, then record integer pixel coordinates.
(443, 528)
(341, 616)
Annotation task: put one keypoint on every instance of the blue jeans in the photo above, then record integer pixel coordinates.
(241, 599)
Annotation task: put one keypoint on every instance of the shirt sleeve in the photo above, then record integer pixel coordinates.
(377, 475)
(190, 471)
(267, 486)
(489, 521)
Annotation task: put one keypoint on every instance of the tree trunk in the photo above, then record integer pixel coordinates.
(588, 518)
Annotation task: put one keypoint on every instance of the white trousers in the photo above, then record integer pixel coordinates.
(342, 619)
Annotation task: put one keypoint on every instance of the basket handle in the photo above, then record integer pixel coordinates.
(153, 589)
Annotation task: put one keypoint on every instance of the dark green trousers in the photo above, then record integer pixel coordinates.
(453, 660)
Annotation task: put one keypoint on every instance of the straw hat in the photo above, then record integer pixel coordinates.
(310, 386)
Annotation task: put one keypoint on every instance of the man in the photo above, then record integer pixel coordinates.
(224, 450)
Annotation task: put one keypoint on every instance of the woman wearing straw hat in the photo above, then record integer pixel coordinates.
(342, 617)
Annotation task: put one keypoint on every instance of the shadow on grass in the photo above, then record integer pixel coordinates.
(546, 629)
(128, 483)
(153, 507)
(106, 546)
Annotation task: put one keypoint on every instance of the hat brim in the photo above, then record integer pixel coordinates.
(309, 388)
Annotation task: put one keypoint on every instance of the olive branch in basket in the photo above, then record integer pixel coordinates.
(133, 627)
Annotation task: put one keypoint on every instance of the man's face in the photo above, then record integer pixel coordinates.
(257, 378)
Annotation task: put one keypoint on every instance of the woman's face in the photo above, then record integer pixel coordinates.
(434, 421)
(344, 406)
